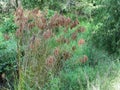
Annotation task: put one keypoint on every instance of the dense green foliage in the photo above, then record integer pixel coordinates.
(61, 45)
(107, 35)
(7, 48)
(8, 26)
(51, 4)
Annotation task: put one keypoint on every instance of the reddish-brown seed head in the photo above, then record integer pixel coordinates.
(81, 41)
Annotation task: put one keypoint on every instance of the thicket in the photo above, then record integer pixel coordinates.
(41, 4)
(8, 65)
(83, 8)
(106, 36)
(45, 50)
(44, 42)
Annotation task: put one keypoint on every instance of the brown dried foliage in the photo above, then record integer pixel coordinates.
(66, 55)
(34, 42)
(74, 36)
(74, 23)
(59, 20)
(27, 20)
(50, 61)
(84, 59)
(47, 34)
(56, 51)
(81, 41)
(81, 29)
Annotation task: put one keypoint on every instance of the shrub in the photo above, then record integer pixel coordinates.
(8, 64)
(41, 4)
(8, 26)
(42, 39)
(107, 36)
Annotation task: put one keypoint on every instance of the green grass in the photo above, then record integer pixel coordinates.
(100, 72)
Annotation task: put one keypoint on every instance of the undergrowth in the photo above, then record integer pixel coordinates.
(55, 52)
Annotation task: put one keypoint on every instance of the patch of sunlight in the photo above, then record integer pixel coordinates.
(105, 83)
(116, 82)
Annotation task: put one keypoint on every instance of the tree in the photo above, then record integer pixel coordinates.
(108, 34)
